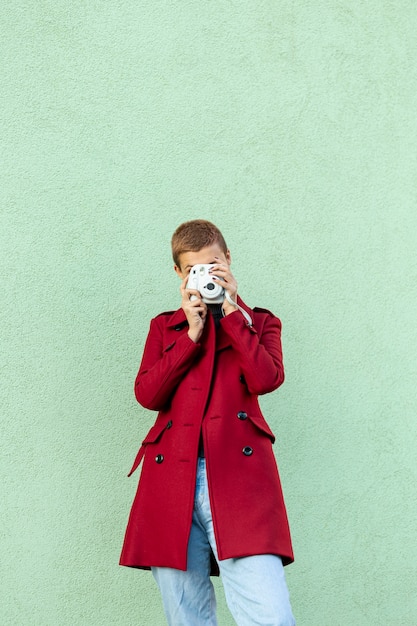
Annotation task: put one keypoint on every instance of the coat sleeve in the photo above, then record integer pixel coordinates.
(162, 366)
(259, 351)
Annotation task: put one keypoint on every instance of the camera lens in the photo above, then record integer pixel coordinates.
(210, 286)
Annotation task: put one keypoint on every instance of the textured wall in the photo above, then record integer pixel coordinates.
(293, 126)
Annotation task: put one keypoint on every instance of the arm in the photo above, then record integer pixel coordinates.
(259, 354)
(162, 366)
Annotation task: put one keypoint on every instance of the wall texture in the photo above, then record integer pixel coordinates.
(292, 125)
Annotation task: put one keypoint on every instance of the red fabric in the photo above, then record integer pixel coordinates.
(205, 386)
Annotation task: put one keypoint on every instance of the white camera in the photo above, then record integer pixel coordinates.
(202, 281)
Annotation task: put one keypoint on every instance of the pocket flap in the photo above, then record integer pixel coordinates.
(155, 432)
(152, 437)
(260, 423)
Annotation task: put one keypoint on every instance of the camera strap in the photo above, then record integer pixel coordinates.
(244, 313)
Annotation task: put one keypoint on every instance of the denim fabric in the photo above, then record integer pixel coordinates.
(255, 587)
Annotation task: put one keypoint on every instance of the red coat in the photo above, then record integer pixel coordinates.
(211, 386)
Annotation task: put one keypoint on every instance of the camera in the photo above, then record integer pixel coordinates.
(202, 281)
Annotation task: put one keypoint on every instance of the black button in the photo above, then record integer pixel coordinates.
(169, 425)
(159, 458)
(247, 451)
(242, 415)
(242, 379)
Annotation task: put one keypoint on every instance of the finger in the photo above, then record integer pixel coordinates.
(221, 275)
(191, 292)
(225, 281)
(183, 284)
(219, 263)
(219, 280)
(221, 270)
(217, 267)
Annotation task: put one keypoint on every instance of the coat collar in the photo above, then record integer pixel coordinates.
(178, 321)
(178, 317)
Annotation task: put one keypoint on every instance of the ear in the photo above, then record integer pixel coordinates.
(228, 257)
(178, 271)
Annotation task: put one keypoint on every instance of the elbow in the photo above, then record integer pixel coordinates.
(141, 396)
(265, 385)
(279, 379)
(146, 399)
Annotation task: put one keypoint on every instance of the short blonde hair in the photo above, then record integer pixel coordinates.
(193, 236)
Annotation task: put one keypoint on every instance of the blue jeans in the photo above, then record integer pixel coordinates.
(254, 586)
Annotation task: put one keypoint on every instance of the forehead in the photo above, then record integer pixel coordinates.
(205, 255)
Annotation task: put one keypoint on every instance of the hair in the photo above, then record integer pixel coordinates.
(193, 236)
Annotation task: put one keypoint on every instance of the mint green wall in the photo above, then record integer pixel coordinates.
(292, 125)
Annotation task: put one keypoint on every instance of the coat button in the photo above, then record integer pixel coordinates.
(242, 379)
(242, 415)
(247, 451)
(169, 425)
(159, 458)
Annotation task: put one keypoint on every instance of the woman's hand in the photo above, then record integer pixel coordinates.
(195, 311)
(222, 274)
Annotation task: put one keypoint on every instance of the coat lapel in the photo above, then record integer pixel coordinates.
(178, 320)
